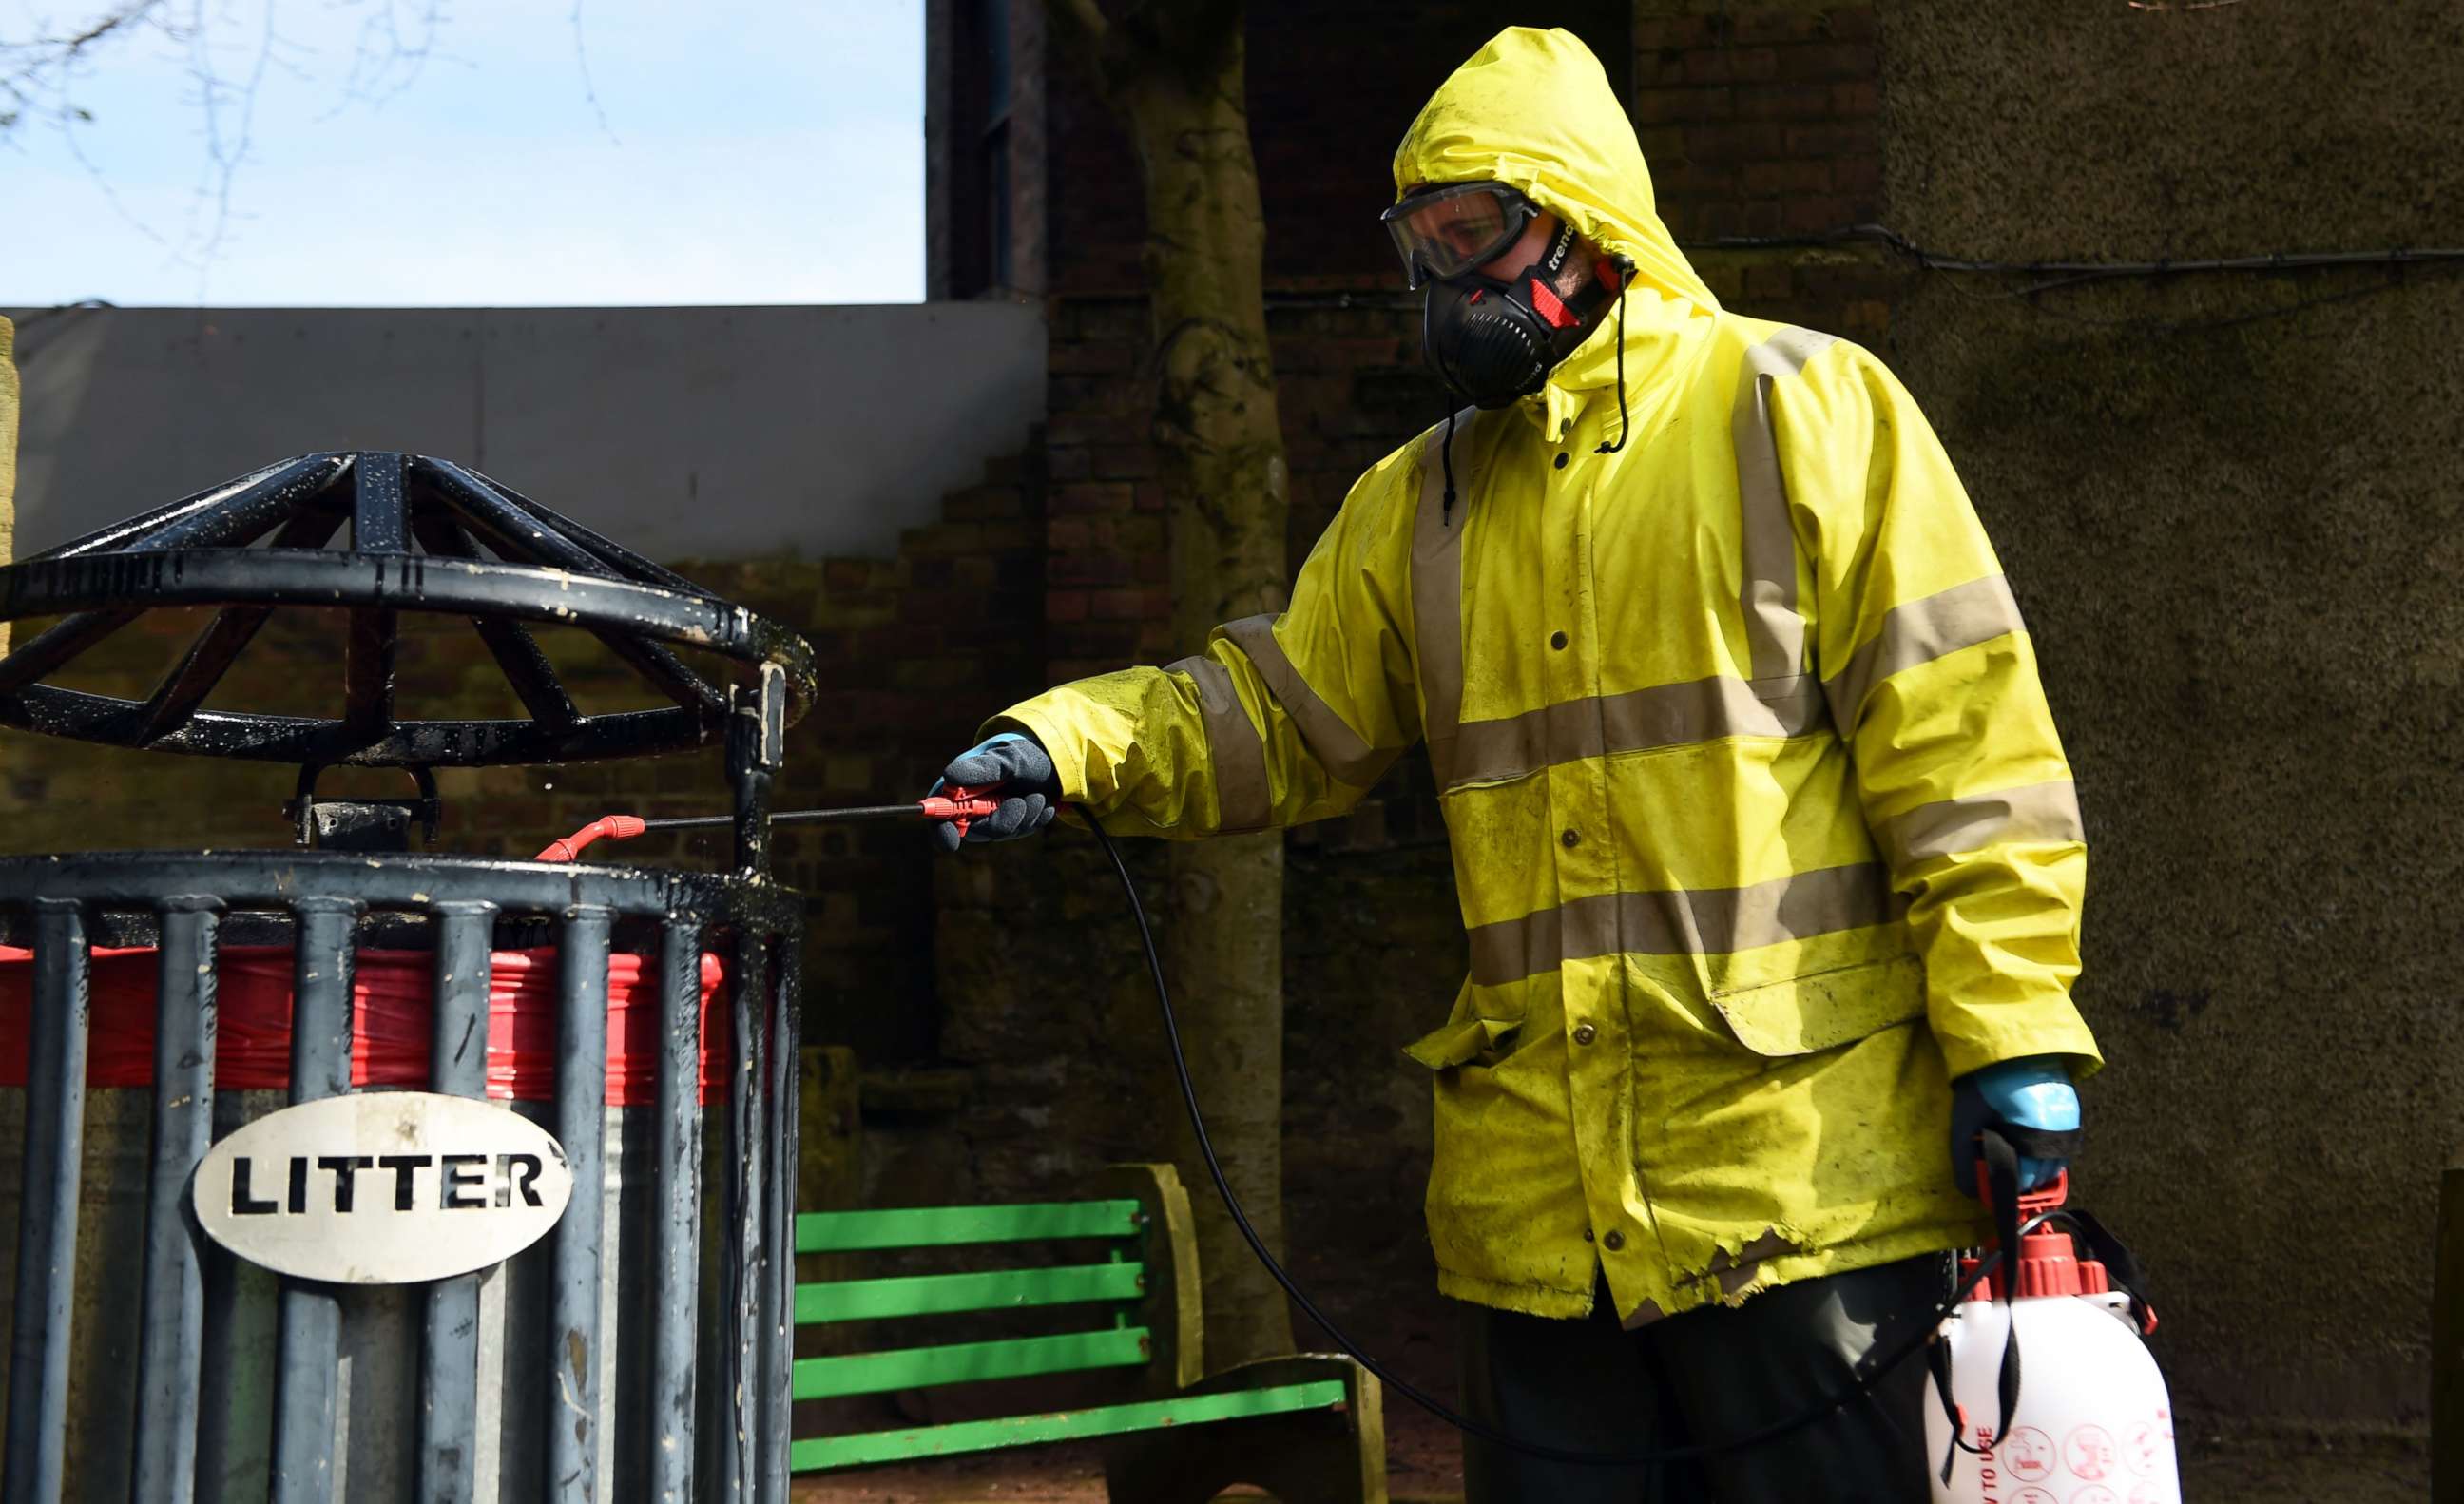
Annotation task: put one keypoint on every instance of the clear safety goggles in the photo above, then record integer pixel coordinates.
(1447, 231)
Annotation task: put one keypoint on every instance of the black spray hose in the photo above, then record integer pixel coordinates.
(1868, 1370)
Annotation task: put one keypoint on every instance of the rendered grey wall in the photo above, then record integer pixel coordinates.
(2231, 507)
(682, 433)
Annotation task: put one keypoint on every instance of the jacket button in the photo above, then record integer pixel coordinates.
(1557, 640)
(1612, 1240)
(1585, 1033)
(1570, 839)
(1587, 1234)
(1561, 462)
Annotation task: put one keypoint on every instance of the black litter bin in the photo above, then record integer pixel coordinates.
(154, 1004)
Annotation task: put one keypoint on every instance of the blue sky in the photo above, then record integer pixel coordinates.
(749, 153)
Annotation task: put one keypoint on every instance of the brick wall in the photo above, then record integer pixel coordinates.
(1766, 121)
(1760, 121)
(1349, 389)
(1107, 575)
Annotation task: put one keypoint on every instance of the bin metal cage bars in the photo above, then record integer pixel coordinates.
(65, 905)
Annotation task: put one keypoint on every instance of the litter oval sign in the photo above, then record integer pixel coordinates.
(382, 1188)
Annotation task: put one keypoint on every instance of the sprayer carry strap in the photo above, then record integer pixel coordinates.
(2000, 1146)
(2122, 1268)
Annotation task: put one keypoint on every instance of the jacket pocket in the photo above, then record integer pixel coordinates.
(1824, 1009)
(1465, 1038)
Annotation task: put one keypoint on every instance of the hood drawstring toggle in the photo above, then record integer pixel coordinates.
(1624, 284)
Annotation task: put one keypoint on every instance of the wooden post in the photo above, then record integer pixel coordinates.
(828, 1172)
(2447, 1346)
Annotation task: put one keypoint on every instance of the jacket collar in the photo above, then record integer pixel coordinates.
(1659, 332)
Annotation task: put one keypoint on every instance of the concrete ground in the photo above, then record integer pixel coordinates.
(1422, 1468)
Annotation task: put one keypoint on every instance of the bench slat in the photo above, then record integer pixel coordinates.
(963, 1363)
(941, 1441)
(1001, 1290)
(937, 1227)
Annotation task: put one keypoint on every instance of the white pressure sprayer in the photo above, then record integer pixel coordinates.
(2091, 1423)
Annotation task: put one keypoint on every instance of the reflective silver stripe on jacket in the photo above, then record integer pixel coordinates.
(1919, 631)
(1437, 589)
(1662, 715)
(1343, 751)
(1775, 627)
(1697, 922)
(1234, 750)
(2036, 813)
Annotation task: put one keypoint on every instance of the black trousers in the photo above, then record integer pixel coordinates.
(1705, 1375)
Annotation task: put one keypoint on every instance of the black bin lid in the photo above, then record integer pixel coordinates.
(426, 535)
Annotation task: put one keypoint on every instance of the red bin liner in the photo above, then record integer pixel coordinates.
(392, 1006)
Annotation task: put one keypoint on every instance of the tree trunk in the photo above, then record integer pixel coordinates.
(1176, 71)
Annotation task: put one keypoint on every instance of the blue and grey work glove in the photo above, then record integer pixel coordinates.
(2032, 1094)
(1013, 768)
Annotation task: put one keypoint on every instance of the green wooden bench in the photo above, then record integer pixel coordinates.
(1305, 1427)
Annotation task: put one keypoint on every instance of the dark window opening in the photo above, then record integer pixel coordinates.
(982, 254)
(997, 217)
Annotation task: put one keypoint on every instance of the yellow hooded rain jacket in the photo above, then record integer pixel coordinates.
(1761, 829)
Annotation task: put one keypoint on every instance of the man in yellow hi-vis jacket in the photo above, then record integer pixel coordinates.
(1766, 845)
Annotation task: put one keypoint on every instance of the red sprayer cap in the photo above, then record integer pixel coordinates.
(2048, 1262)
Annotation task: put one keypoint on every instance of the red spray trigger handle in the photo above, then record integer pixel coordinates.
(959, 806)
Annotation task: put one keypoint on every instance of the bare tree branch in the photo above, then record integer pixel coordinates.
(31, 69)
(590, 91)
(232, 51)
(226, 150)
(386, 59)
(53, 51)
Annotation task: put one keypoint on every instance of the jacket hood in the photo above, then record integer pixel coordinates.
(1534, 110)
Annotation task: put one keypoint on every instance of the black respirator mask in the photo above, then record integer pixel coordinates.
(1492, 341)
